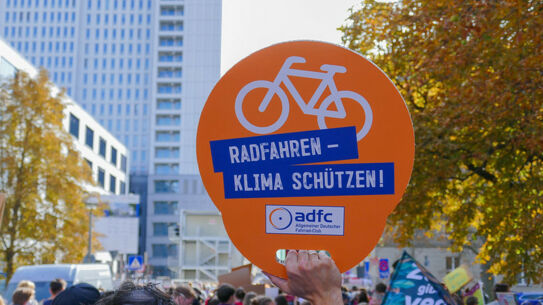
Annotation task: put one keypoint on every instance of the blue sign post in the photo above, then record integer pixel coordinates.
(135, 263)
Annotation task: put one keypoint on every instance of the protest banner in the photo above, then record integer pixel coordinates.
(305, 145)
(506, 298)
(457, 278)
(384, 271)
(476, 291)
(412, 284)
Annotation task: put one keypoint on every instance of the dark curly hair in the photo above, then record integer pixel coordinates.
(130, 293)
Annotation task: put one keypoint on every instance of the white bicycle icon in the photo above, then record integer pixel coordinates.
(322, 112)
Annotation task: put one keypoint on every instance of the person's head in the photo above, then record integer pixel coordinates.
(130, 293)
(500, 287)
(248, 297)
(281, 300)
(22, 295)
(56, 286)
(345, 297)
(363, 296)
(81, 294)
(26, 284)
(354, 288)
(240, 294)
(262, 300)
(198, 293)
(213, 301)
(381, 288)
(183, 295)
(472, 301)
(225, 293)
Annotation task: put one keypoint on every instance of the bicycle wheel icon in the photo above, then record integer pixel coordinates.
(339, 98)
(272, 91)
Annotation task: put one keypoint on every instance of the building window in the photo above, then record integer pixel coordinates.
(163, 104)
(160, 229)
(89, 137)
(102, 150)
(123, 163)
(160, 250)
(167, 136)
(167, 152)
(112, 184)
(123, 188)
(166, 168)
(170, 42)
(89, 162)
(170, 73)
(168, 120)
(165, 207)
(74, 125)
(451, 263)
(167, 186)
(101, 177)
(113, 156)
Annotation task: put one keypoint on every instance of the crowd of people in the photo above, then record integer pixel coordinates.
(313, 279)
(130, 293)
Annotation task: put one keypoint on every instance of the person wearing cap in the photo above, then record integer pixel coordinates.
(80, 294)
(132, 294)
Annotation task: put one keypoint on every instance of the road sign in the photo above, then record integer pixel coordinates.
(305, 145)
(135, 263)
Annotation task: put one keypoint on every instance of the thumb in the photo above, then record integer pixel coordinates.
(279, 282)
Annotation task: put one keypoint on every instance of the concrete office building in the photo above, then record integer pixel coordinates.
(143, 69)
(107, 157)
(103, 152)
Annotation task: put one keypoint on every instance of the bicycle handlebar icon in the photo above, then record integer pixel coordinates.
(309, 108)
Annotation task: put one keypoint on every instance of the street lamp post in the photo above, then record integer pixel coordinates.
(91, 202)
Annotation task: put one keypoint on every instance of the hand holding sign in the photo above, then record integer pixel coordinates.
(311, 275)
(305, 145)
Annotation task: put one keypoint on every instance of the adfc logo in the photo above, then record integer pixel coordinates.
(280, 218)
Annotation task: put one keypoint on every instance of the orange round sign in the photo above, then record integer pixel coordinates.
(305, 145)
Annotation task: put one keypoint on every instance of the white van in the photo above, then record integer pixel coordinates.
(98, 275)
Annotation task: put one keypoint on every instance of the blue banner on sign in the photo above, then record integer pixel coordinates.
(412, 284)
(313, 146)
(311, 180)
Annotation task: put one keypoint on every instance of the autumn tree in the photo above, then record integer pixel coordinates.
(471, 73)
(42, 175)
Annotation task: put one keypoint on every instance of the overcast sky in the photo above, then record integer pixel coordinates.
(250, 25)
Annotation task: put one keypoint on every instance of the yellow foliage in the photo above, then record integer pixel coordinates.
(471, 74)
(42, 175)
